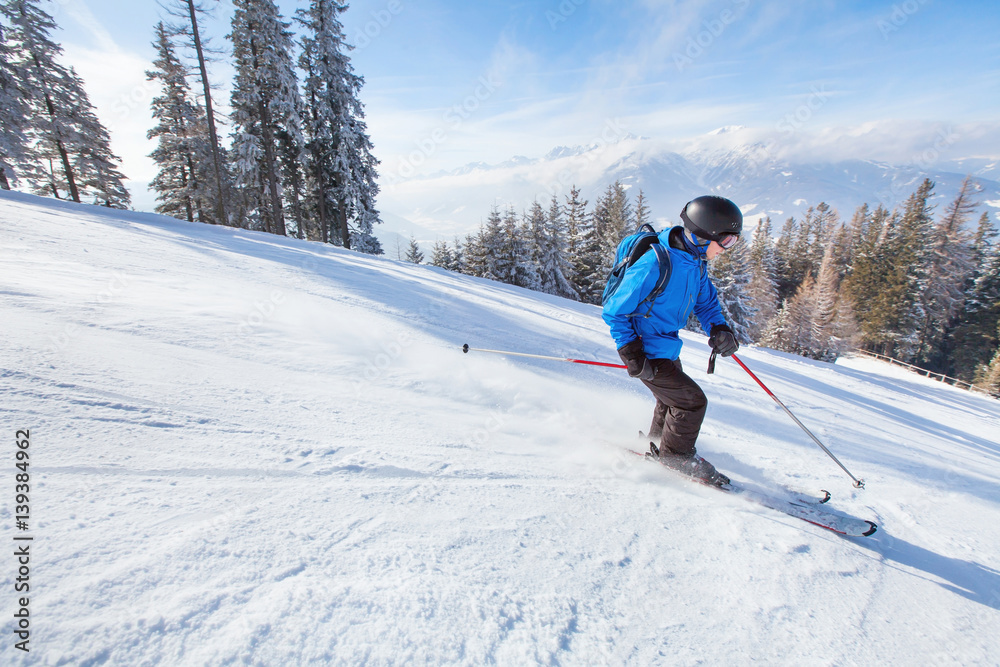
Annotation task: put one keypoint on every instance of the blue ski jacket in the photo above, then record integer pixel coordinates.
(689, 289)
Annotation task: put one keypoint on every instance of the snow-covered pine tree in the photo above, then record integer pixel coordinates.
(800, 337)
(519, 247)
(641, 210)
(974, 338)
(613, 220)
(474, 254)
(948, 267)
(867, 273)
(784, 260)
(825, 226)
(64, 125)
(550, 249)
(183, 153)
(265, 104)
(485, 255)
(862, 241)
(730, 274)
(95, 163)
(988, 379)
(413, 252)
(15, 155)
(187, 13)
(776, 334)
(582, 248)
(762, 290)
(533, 234)
(502, 246)
(440, 255)
(341, 168)
(458, 256)
(832, 316)
(912, 267)
(802, 254)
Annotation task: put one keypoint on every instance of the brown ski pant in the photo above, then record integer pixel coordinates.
(680, 407)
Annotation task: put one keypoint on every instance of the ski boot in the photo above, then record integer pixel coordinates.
(693, 466)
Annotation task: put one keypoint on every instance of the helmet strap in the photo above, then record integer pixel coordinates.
(696, 240)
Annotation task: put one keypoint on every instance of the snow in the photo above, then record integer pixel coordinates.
(257, 450)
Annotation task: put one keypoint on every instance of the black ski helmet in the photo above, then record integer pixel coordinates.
(710, 217)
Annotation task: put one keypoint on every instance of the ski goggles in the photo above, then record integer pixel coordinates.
(727, 241)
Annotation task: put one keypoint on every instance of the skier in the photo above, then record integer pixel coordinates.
(648, 342)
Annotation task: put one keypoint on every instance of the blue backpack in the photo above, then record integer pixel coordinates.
(631, 248)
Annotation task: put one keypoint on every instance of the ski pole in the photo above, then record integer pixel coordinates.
(466, 348)
(858, 483)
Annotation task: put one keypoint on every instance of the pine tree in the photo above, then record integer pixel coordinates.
(582, 248)
(612, 220)
(64, 125)
(15, 156)
(949, 267)
(832, 316)
(550, 250)
(913, 268)
(641, 210)
(441, 255)
(485, 254)
(99, 177)
(413, 252)
(762, 290)
(457, 257)
(731, 275)
(266, 105)
(786, 282)
(800, 336)
(974, 338)
(868, 271)
(475, 255)
(801, 254)
(183, 153)
(342, 170)
(776, 334)
(518, 248)
(187, 12)
(988, 378)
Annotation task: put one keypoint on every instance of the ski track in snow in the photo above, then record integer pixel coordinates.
(255, 450)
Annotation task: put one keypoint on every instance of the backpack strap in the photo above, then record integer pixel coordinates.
(665, 267)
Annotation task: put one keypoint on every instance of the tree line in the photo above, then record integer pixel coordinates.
(49, 131)
(299, 159)
(906, 283)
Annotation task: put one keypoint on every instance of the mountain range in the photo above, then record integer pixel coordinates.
(760, 175)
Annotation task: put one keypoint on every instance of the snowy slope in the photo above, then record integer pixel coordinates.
(255, 450)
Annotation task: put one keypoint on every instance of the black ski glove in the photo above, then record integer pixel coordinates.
(634, 356)
(722, 340)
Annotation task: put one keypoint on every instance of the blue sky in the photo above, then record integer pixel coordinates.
(450, 82)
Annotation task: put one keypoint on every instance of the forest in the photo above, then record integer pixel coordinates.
(298, 161)
(914, 284)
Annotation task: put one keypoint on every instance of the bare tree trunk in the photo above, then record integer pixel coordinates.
(345, 234)
(323, 225)
(221, 208)
(277, 218)
(63, 154)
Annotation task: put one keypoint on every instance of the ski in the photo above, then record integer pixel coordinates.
(804, 510)
(799, 497)
(844, 525)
